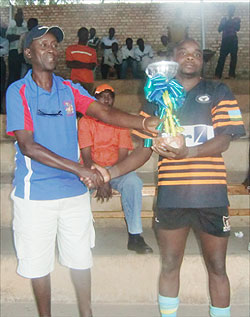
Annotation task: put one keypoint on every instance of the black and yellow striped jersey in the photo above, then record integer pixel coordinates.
(209, 109)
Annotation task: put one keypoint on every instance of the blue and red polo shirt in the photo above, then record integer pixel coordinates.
(51, 116)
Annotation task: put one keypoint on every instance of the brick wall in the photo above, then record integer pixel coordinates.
(148, 21)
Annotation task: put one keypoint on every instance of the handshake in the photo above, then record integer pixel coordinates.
(97, 177)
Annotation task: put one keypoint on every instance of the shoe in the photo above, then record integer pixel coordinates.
(138, 245)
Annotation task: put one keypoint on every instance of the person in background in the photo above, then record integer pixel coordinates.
(192, 185)
(4, 50)
(106, 45)
(144, 55)
(128, 59)
(82, 60)
(17, 27)
(32, 22)
(229, 26)
(93, 41)
(164, 51)
(112, 62)
(51, 198)
(106, 145)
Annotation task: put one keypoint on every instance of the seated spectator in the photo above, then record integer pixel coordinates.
(113, 62)
(144, 55)
(32, 22)
(93, 41)
(164, 52)
(106, 145)
(128, 59)
(106, 45)
(82, 61)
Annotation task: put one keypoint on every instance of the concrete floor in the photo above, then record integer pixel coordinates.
(113, 310)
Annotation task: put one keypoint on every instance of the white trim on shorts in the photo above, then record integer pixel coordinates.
(37, 224)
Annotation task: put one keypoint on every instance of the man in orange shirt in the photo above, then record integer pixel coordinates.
(106, 145)
(82, 61)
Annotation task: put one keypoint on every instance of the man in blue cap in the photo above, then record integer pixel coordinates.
(50, 199)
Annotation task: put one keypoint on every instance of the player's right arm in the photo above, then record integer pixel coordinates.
(139, 156)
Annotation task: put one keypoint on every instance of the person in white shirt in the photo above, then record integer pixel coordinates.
(106, 45)
(128, 59)
(15, 29)
(143, 54)
(113, 62)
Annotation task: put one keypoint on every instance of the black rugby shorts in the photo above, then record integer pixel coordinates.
(215, 221)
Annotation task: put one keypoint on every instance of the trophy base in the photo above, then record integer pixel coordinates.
(174, 141)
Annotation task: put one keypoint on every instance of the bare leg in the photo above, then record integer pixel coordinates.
(172, 245)
(214, 253)
(42, 292)
(82, 282)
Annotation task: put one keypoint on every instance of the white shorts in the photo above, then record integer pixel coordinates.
(37, 224)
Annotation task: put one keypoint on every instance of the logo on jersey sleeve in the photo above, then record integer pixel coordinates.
(198, 134)
(69, 108)
(203, 98)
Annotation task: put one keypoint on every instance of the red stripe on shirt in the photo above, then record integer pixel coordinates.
(28, 122)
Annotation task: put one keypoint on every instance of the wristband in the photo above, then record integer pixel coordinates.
(143, 123)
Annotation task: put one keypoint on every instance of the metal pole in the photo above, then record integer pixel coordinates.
(203, 36)
(10, 11)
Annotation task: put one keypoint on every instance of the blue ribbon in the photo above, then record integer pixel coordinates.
(154, 90)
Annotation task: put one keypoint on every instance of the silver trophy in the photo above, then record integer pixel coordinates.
(167, 69)
(170, 129)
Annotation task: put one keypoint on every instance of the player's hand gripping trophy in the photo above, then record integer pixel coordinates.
(169, 96)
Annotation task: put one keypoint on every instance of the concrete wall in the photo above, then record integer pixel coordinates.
(148, 20)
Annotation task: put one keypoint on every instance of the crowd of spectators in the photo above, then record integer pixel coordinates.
(90, 56)
(115, 60)
(105, 57)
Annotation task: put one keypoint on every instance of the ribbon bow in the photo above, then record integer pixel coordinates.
(169, 96)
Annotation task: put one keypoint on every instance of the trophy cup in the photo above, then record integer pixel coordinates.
(164, 91)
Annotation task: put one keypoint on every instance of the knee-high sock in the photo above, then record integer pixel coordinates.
(168, 306)
(219, 312)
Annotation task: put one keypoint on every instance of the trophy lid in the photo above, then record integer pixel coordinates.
(167, 69)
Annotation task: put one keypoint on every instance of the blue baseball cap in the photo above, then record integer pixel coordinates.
(39, 31)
